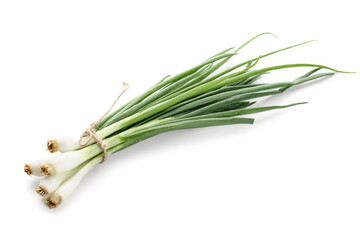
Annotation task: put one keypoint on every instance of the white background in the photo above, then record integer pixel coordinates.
(294, 174)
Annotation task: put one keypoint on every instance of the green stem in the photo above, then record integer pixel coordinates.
(136, 117)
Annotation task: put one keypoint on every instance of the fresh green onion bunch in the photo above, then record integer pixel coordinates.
(198, 97)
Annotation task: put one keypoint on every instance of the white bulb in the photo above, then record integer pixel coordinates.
(63, 144)
(69, 186)
(66, 144)
(49, 184)
(65, 161)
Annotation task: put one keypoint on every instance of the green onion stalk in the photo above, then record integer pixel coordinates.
(202, 96)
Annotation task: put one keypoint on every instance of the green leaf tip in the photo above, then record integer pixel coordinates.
(338, 71)
(294, 104)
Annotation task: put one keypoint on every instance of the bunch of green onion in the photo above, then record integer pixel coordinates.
(198, 97)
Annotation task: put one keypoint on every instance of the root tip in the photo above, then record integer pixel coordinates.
(47, 169)
(53, 201)
(52, 145)
(27, 169)
(40, 190)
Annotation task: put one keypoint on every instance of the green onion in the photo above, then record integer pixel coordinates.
(198, 97)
